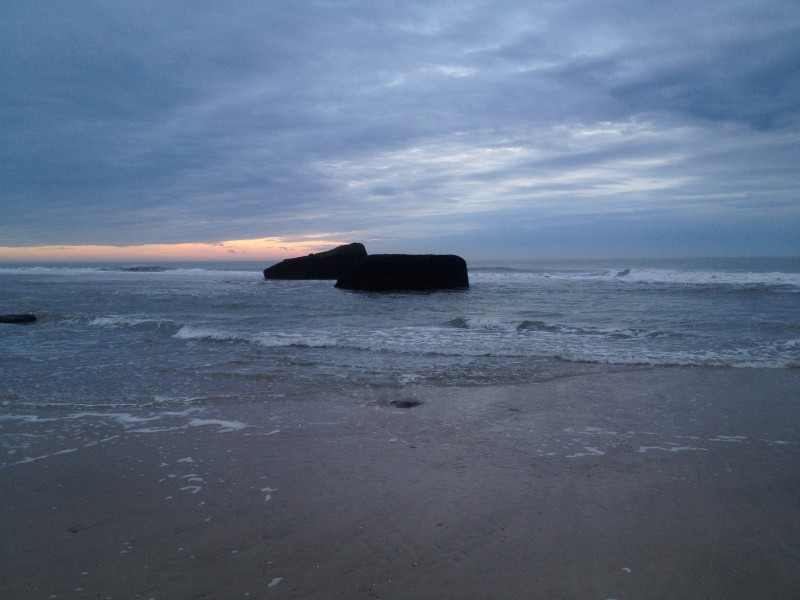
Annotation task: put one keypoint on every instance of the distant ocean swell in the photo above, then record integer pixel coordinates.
(644, 276)
(477, 274)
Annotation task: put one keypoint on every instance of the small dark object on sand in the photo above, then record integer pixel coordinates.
(404, 403)
(18, 319)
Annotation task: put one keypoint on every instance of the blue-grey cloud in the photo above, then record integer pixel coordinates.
(159, 122)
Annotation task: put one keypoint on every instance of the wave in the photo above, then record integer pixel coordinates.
(715, 278)
(134, 322)
(267, 339)
(102, 321)
(684, 360)
(541, 340)
(475, 338)
(78, 270)
(40, 270)
(142, 269)
(774, 279)
(98, 270)
(477, 323)
(120, 321)
(557, 329)
(486, 338)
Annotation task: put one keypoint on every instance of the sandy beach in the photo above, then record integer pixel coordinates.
(620, 483)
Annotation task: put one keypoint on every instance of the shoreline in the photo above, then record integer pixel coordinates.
(664, 482)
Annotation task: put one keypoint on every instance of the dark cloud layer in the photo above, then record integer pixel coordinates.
(506, 126)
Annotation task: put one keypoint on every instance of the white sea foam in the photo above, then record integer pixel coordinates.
(713, 277)
(27, 418)
(124, 419)
(30, 459)
(102, 441)
(182, 413)
(307, 340)
(116, 321)
(223, 425)
(671, 449)
(188, 332)
(485, 323)
(573, 344)
(268, 491)
(590, 451)
(157, 429)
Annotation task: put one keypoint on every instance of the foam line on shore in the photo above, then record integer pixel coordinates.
(225, 426)
(672, 449)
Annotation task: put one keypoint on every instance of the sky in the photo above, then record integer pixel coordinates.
(511, 129)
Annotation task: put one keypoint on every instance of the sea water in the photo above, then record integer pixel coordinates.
(170, 334)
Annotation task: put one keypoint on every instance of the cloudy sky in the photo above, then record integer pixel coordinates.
(542, 128)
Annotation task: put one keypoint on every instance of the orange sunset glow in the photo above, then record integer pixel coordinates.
(271, 248)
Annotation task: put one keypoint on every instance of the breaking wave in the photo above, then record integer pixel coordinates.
(267, 339)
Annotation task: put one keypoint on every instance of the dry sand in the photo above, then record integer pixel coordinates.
(618, 483)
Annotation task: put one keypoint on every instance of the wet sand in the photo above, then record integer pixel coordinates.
(615, 483)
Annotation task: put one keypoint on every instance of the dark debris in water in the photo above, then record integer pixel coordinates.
(18, 319)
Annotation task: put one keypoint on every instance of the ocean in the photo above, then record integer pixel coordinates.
(120, 335)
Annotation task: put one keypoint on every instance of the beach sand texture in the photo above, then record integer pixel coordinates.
(622, 483)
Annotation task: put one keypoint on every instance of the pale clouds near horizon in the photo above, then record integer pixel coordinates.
(517, 128)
